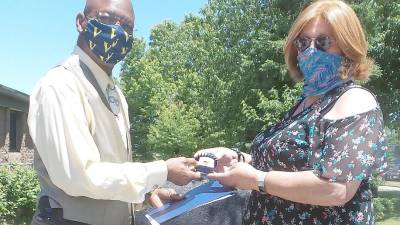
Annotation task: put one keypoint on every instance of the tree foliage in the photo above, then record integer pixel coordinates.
(219, 77)
(382, 22)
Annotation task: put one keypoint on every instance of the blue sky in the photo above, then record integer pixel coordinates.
(38, 34)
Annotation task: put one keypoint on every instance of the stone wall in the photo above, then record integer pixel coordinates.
(4, 129)
(24, 153)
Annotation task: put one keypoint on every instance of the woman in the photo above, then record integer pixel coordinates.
(316, 165)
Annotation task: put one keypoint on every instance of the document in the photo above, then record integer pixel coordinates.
(202, 195)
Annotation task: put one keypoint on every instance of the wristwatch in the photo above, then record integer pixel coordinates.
(261, 182)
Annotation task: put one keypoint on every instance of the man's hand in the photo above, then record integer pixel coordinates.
(240, 175)
(180, 170)
(225, 156)
(164, 195)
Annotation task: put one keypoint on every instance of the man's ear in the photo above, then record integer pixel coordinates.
(81, 22)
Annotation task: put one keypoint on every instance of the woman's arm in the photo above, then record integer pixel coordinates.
(304, 187)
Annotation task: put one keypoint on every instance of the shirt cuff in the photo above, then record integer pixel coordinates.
(157, 174)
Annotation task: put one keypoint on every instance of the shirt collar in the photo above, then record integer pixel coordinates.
(100, 75)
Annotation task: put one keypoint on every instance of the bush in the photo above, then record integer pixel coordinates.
(376, 182)
(3, 204)
(19, 187)
(381, 207)
(387, 205)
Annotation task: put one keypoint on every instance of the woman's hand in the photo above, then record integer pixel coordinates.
(225, 156)
(164, 195)
(240, 175)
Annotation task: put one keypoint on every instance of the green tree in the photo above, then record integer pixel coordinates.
(381, 20)
(219, 78)
(175, 131)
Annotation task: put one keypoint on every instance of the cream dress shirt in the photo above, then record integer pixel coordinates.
(83, 145)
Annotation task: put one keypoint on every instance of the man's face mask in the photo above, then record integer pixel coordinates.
(110, 43)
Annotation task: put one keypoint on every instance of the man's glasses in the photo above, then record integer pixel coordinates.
(321, 42)
(112, 19)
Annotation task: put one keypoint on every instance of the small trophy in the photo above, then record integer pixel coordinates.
(206, 163)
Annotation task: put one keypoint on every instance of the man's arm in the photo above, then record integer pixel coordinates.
(61, 132)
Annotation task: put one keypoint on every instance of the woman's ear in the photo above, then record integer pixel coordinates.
(81, 22)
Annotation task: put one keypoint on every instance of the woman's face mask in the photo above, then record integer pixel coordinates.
(320, 70)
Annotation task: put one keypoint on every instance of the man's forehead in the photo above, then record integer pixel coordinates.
(121, 8)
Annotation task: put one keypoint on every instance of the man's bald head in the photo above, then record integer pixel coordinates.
(115, 11)
(122, 8)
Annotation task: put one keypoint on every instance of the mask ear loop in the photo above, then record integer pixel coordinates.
(345, 69)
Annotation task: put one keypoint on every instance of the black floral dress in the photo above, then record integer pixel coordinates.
(348, 149)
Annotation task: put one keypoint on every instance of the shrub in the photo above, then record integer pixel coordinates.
(386, 206)
(19, 187)
(3, 204)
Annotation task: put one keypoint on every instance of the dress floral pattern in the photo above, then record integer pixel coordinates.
(341, 150)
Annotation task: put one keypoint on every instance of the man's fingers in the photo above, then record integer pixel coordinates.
(192, 168)
(191, 162)
(196, 176)
(177, 197)
(155, 201)
(173, 196)
(223, 178)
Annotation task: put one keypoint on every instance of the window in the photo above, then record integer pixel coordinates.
(13, 131)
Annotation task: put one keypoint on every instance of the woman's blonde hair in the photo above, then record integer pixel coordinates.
(348, 34)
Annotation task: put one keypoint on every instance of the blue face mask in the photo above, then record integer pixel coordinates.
(110, 43)
(320, 70)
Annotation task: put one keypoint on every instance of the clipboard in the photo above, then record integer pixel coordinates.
(204, 194)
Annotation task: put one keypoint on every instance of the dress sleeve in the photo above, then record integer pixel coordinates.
(352, 149)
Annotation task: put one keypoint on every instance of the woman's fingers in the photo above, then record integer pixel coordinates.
(223, 178)
(197, 153)
(203, 151)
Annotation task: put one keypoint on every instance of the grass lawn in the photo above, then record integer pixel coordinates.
(390, 221)
(392, 183)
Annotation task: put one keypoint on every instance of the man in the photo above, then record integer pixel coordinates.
(78, 120)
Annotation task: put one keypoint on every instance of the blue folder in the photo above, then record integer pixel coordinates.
(204, 194)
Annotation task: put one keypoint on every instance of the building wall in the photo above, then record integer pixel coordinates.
(4, 128)
(25, 146)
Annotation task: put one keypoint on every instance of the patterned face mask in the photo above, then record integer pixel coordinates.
(110, 43)
(320, 70)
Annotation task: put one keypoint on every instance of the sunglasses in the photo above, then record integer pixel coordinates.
(112, 19)
(321, 42)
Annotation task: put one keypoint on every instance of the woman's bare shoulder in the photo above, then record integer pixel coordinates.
(354, 101)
